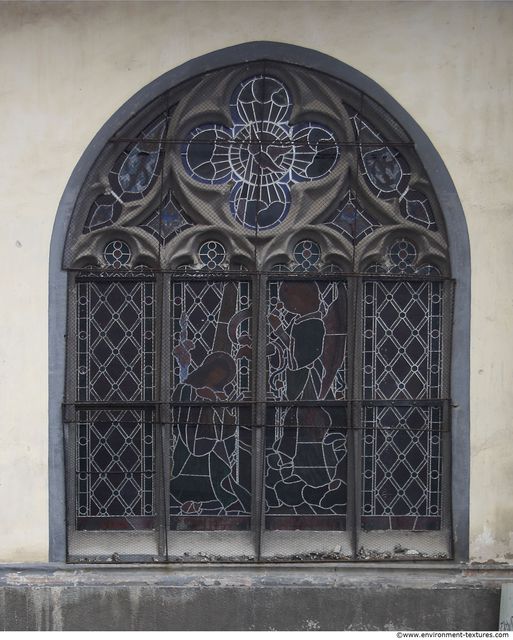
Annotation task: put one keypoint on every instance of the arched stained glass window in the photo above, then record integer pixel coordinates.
(259, 331)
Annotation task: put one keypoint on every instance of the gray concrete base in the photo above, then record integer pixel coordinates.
(292, 597)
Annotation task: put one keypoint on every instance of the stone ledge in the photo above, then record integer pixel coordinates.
(373, 596)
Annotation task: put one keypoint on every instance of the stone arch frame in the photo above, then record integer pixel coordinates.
(459, 259)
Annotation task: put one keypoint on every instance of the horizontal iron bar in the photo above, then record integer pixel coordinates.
(275, 143)
(243, 276)
(340, 427)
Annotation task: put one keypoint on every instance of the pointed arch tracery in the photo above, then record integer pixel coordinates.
(259, 354)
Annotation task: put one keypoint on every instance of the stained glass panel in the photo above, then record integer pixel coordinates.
(115, 341)
(136, 169)
(402, 467)
(117, 254)
(351, 220)
(212, 343)
(262, 154)
(211, 453)
(306, 468)
(402, 339)
(168, 221)
(307, 325)
(115, 469)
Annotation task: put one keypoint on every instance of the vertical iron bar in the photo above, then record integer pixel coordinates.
(160, 338)
(260, 350)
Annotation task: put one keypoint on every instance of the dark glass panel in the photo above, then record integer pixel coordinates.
(402, 467)
(114, 468)
(115, 341)
(402, 339)
(305, 466)
(210, 468)
(211, 341)
(307, 333)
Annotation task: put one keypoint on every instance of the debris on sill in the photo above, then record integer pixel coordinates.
(398, 552)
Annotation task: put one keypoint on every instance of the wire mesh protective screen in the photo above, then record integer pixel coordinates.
(259, 332)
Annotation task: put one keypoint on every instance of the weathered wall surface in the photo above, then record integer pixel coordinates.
(66, 67)
(317, 598)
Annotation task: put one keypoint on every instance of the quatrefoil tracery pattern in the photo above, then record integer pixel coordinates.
(262, 154)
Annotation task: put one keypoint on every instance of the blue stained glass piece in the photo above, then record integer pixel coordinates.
(261, 99)
(315, 151)
(138, 168)
(352, 220)
(102, 215)
(261, 154)
(168, 222)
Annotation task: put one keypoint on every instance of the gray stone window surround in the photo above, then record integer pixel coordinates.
(459, 256)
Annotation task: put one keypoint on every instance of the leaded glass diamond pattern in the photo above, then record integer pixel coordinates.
(402, 465)
(114, 463)
(115, 341)
(402, 343)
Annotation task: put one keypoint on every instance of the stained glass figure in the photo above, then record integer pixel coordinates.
(307, 324)
(351, 220)
(211, 455)
(114, 469)
(306, 468)
(168, 221)
(402, 468)
(115, 341)
(262, 154)
(305, 452)
(117, 254)
(211, 469)
(212, 255)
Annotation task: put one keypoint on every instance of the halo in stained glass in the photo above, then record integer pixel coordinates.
(117, 254)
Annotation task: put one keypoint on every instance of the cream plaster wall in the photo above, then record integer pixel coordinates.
(66, 67)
